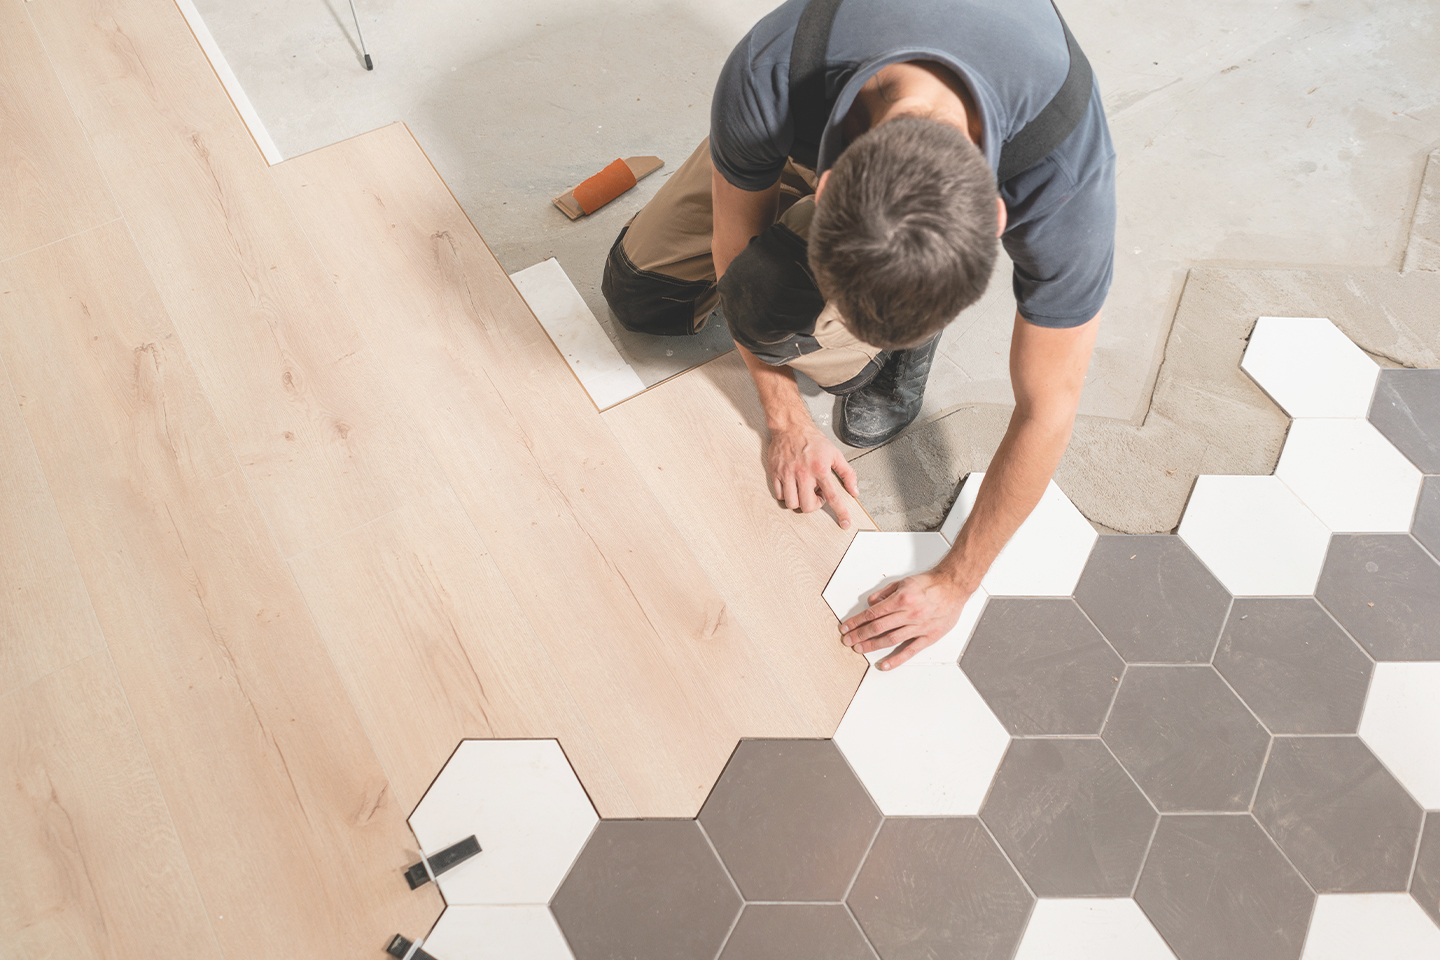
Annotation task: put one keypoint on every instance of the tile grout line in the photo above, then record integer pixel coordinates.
(1149, 845)
(726, 870)
(1415, 860)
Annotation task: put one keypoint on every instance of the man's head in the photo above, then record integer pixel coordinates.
(904, 235)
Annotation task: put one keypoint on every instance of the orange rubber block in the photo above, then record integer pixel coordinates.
(606, 185)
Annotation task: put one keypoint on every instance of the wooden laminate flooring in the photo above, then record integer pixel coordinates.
(295, 494)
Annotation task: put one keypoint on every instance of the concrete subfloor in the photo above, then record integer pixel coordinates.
(1279, 148)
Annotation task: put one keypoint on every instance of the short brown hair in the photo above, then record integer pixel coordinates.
(904, 235)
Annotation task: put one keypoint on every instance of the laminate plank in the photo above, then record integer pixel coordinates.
(324, 443)
(647, 646)
(90, 865)
(50, 185)
(698, 440)
(286, 817)
(433, 649)
(46, 620)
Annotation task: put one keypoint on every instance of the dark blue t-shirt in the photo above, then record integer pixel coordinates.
(1012, 56)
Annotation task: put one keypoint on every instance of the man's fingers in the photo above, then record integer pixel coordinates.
(831, 493)
(847, 477)
(876, 628)
(791, 498)
(885, 591)
(903, 654)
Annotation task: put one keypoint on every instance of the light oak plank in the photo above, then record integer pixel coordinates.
(46, 620)
(699, 441)
(433, 649)
(284, 813)
(50, 185)
(648, 647)
(324, 443)
(90, 866)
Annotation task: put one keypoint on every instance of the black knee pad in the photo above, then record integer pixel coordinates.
(649, 302)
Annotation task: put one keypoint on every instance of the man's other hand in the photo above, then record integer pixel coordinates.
(921, 609)
(804, 468)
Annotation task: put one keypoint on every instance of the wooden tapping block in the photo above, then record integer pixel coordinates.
(606, 185)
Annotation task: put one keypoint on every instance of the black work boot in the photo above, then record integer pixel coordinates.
(878, 411)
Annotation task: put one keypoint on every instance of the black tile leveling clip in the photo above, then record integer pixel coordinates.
(429, 868)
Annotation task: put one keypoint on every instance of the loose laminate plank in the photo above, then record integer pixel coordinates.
(46, 620)
(281, 806)
(698, 440)
(90, 865)
(433, 649)
(647, 646)
(324, 443)
(50, 185)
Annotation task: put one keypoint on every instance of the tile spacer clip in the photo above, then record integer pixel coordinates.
(403, 949)
(429, 868)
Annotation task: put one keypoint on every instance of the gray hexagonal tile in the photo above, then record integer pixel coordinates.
(790, 820)
(1216, 888)
(1426, 527)
(1385, 590)
(1186, 739)
(646, 890)
(1406, 409)
(1293, 665)
(939, 888)
(797, 931)
(1345, 823)
(1153, 599)
(1425, 885)
(1072, 821)
(1042, 666)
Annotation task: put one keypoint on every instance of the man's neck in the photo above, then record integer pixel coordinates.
(914, 88)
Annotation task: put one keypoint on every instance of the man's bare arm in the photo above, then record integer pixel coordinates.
(1047, 371)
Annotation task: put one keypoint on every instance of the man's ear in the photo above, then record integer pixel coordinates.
(820, 186)
(1001, 216)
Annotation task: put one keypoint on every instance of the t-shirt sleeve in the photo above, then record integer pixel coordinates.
(1061, 238)
(750, 129)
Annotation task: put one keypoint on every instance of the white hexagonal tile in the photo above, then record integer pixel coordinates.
(1255, 535)
(1401, 723)
(1091, 929)
(1046, 555)
(1310, 368)
(523, 803)
(922, 741)
(1350, 476)
(1353, 925)
(497, 933)
(877, 559)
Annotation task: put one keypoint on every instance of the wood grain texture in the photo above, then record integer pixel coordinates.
(324, 443)
(50, 185)
(285, 815)
(46, 620)
(90, 865)
(647, 646)
(433, 649)
(699, 441)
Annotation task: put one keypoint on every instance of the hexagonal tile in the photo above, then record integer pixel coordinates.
(647, 890)
(1341, 818)
(1293, 665)
(797, 931)
(1426, 526)
(1044, 557)
(1091, 929)
(1186, 739)
(1401, 724)
(1309, 367)
(875, 560)
(1371, 925)
(1073, 822)
(1042, 666)
(523, 803)
(939, 888)
(789, 820)
(1217, 888)
(1425, 885)
(1385, 590)
(1353, 479)
(1255, 535)
(1407, 411)
(497, 933)
(1153, 599)
(922, 741)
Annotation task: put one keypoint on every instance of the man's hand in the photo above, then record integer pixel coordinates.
(804, 466)
(921, 609)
